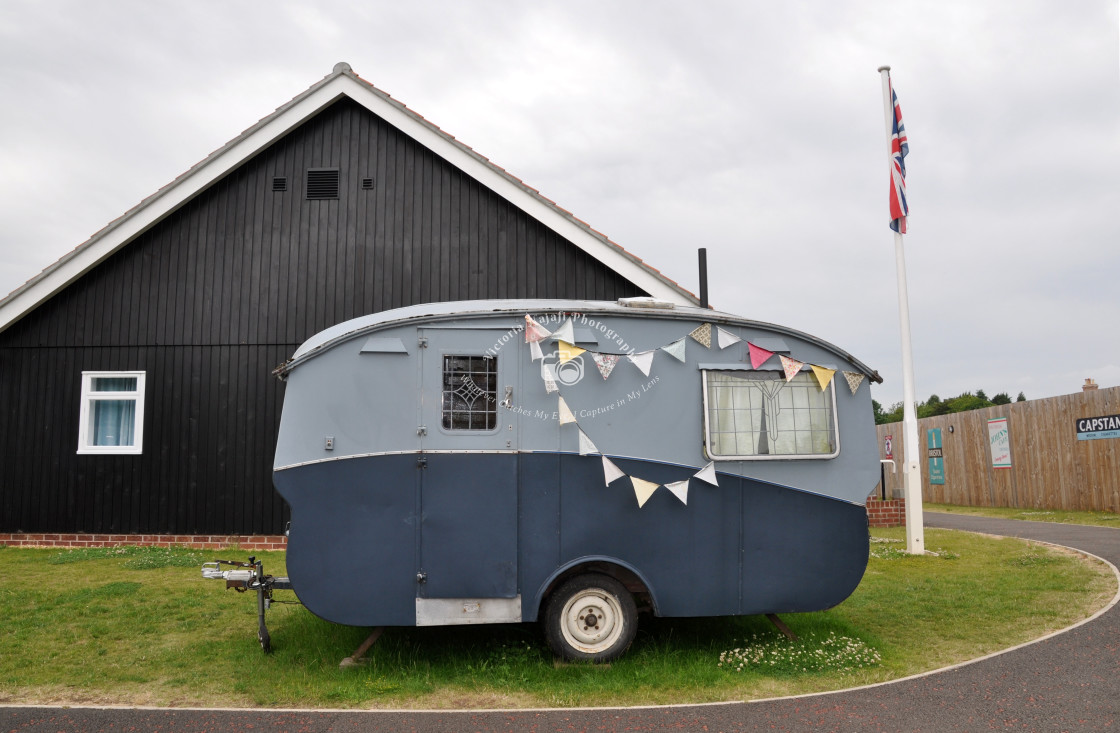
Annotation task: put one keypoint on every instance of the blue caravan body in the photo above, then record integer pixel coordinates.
(504, 461)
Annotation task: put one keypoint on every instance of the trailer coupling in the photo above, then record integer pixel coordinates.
(249, 576)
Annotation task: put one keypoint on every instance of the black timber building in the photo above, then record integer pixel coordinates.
(136, 394)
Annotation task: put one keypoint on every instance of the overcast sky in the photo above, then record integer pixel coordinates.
(752, 128)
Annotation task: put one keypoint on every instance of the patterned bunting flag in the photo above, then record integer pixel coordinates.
(548, 374)
(534, 331)
(707, 474)
(680, 490)
(605, 362)
(565, 333)
(643, 489)
(567, 351)
(791, 366)
(566, 415)
(855, 379)
(759, 355)
(535, 350)
(643, 361)
(823, 375)
(586, 447)
(611, 473)
(703, 334)
(726, 338)
(675, 349)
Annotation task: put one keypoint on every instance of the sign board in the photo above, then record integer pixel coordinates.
(936, 457)
(888, 447)
(1098, 428)
(1000, 439)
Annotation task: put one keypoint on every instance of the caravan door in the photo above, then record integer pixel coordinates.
(468, 484)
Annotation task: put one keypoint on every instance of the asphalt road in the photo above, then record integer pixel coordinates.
(1069, 682)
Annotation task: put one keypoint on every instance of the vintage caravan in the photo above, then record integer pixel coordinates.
(509, 461)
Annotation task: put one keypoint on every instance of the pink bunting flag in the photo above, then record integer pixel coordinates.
(534, 331)
(759, 355)
(605, 362)
(790, 366)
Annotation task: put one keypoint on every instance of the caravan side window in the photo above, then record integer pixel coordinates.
(759, 415)
(470, 388)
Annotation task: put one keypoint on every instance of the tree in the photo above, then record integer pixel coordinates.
(1001, 399)
(981, 395)
(1021, 398)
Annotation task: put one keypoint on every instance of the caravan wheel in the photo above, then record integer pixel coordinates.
(591, 618)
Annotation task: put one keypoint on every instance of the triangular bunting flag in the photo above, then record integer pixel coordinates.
(610, 472)
(548, 374)
(567, 351)
(680, 490)
(791, 366)
(726, 338)
(566, 415)
(535, 350)
(823, 375)
(586, 447)
(707, 474)
(605, 362)
(643, 361)
(759, 355)
(643, 489)
(675, 349)
(565, 332)
(703, 334)
(855, 379)
(534, 331)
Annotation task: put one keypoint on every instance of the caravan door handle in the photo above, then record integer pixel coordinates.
(508, 401)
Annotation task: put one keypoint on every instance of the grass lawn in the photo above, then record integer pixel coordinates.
(1096, 519)
(140, 626)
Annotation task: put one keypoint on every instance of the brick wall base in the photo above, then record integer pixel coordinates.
(889, 513)
(200, 542)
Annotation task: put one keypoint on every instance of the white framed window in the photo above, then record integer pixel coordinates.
(111, 418)
(758, 415)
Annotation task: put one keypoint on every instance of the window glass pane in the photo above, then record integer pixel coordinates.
(112, 422)
(113, 384)
(470, 387)
(758, 413)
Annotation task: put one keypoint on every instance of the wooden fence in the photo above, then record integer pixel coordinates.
(1050, 467)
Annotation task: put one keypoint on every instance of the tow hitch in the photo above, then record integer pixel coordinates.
(249, 576)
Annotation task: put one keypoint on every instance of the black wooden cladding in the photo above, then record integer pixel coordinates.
(222, 290)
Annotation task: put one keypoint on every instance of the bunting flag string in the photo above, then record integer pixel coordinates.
(680, 490)
(854, 380)
(535, 351)
(643, 489)
(567, 351)
(675, 349)
(611, 472)
(759, 355)
(823, 375)
(707, 474)
(790, 366)
(586, 447)
(566, 332)
(725, 338)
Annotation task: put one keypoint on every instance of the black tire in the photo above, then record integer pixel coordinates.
(590, 618)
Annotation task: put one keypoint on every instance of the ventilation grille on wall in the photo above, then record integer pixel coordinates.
(322, 183)
(367, 183)
(280, 183)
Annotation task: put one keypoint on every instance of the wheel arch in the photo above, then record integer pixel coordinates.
(620, 570)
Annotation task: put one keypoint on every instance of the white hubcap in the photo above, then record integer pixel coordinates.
(592, 621)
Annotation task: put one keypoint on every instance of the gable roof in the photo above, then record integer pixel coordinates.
(341, 82)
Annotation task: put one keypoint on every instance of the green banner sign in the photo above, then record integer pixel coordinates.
(936, 457)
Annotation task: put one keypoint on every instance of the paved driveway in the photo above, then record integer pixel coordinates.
(1069, 682)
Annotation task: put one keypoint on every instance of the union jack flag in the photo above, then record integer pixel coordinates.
(899, 148)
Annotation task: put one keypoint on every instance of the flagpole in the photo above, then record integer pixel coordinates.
(915, 530)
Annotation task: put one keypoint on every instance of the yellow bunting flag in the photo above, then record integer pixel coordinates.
(823, 375)
(567, 351)
(643, 489)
